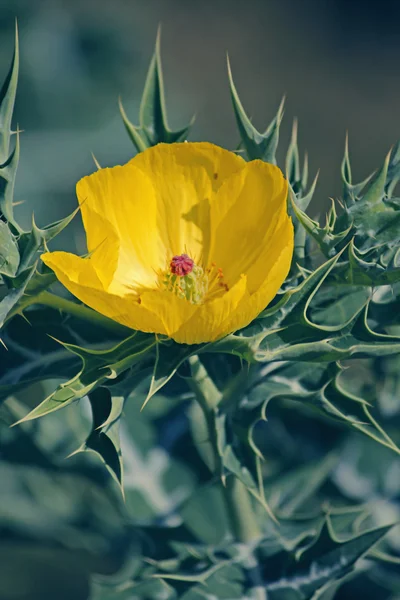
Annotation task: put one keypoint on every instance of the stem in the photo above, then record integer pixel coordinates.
(240, 510)
(244, 526)
(67, 306)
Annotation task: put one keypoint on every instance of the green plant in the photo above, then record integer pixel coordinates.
(227, 494)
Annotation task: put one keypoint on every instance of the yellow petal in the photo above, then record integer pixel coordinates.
(247, 210)
(208, 323)
(125, 197)
(80, 278)
(185, 177)
(193, 324)
(253, 303)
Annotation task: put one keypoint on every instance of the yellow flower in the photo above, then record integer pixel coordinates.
(186, 240)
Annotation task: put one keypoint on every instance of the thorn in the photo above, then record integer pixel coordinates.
(25, 318)
(346, 142)
(294, 130)
(3, 344)
(96, 162)
(158, 38)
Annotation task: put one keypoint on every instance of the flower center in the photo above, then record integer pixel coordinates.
(181, 265)
(189, 281)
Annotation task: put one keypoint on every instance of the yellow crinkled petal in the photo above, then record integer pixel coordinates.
(186, 177)
(79, 277)
(193, 324)
(247, 210)
(104, 257)
(252, 304)
(126, 198)
(207, 324)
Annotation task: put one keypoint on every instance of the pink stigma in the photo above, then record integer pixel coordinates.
(181, 265)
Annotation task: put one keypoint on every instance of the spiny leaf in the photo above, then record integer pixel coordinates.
(321, 388)
(350, 191)
(290, 491)
(31, 242)
(361, 271)
(371, 201)
(8, 170)
(104, 437)
(292, 165)
(7, 100)
(328, 559)
(287, 332)
(9, 255)
(17, 286)
(153, 125)
(133, 131)
(257, 145)
(393, 175)
(153, 113)
(293, 303)
(99, 367)
(33, 354)
(327, 237)
(169, 357)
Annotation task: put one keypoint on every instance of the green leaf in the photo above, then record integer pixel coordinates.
(104, 438)
(169, 357)
(153, 125)
(8, 171)
(153, 113)
(350, 191)
(16, 288)
(60, 520)
(135, 133)
(291, 491)
(33, 354)
(327, 237)
(31, 242)
(99, 367)
(319, 387)
(393, 175)
(372, 199)
(257, 145)
(288, 333)
(232, 464)
(327, 560)
(7, 100)
(364, 269)
(9, 255)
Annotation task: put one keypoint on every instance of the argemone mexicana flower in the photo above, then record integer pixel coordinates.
(187, 240)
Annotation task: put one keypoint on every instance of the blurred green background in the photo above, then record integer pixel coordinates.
(336, 61)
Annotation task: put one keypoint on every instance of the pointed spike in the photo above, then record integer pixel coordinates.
(376, 190)
(132, 130)
(153, 123)
(96, 162)
(346, 169)
(7, 100)
(249, 134)
(292, 158)
(304, 201)
(304, 176)
(258, 145)
(152, 112)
